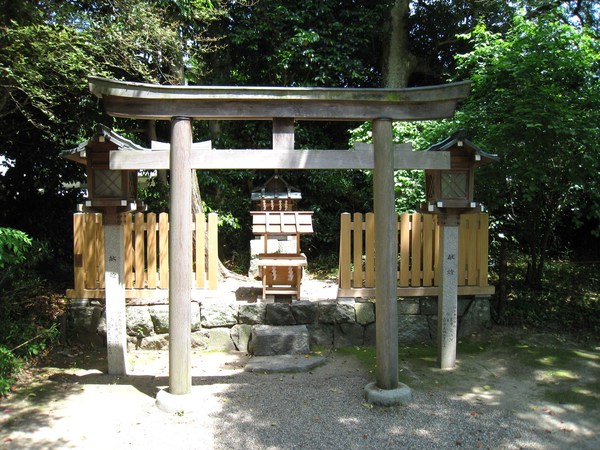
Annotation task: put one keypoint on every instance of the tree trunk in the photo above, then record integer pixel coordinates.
(398, 61)
(152, 136)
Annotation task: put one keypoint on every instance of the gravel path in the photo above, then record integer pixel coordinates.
(83, 408)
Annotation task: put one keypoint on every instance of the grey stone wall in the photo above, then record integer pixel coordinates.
(222, 325)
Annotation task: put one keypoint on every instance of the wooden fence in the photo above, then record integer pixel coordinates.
(418, 255)
(146, 258)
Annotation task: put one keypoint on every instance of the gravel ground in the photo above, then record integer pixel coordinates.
(71, 403)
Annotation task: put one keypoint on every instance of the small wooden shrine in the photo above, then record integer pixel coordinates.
(276, 216)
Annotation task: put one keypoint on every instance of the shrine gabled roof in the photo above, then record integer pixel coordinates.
(460, 139)
(102, 134)
(275, 188)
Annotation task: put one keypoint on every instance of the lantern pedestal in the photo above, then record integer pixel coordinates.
(447, 323)
(114, 288)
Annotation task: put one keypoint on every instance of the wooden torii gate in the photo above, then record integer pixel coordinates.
(182, 104)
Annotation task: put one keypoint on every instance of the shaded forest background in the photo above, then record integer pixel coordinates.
(535, 68)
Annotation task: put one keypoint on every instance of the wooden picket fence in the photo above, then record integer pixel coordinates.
(146, 258)
(418, 255)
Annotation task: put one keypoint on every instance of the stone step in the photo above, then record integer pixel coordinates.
(269, 340)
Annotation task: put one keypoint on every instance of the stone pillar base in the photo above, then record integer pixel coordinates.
(388, 397)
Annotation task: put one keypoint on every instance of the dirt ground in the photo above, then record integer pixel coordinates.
(545, 381)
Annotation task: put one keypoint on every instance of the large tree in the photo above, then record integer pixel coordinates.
(534, 101)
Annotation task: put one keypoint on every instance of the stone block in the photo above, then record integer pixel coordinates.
(85, 318)
(463, 304)
(432, 323)
(139, 322)
(409, 306)
(240, 334)
(159, 314)
(365, 312)
(252, 313)
(327, 311)
(200, 339)
(476, 318)
(429, 305)
(305, 312)
(344, 312)
(215, 314)
(321, 334)
(196, 321)
(154, 342)
(279, 314)
(101, 326)
(219, 339)
(277, 340)
(370, 338)
(349, 334)
(413, 329)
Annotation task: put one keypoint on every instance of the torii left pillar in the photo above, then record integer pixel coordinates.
(180, 270)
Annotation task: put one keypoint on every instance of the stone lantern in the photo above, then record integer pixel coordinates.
(110, 192)
(449, 193)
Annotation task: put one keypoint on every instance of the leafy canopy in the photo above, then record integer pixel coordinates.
(534, 101)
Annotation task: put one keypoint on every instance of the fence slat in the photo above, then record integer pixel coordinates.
(78, 251)
(428, 239)
(101, 262)
(415, 250)
(357, 253)
(463, 247)
(345, 270)
(139, 229)
(213, 251)
(404, 249)
(151, 250)
(200, 257)
(482, 257)
(90, 258)
(436, 257)
(472, 243)
(163, 256)
(127, 243)
(370, 250)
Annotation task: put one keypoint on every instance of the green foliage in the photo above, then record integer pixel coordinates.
(13, 247)
(409, 184)
(533, 97)
(27, 313)
(155, 195)
(9, 368)
(298, 44)
(569, 301)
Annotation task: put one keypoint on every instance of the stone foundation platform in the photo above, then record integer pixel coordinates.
(225, 325)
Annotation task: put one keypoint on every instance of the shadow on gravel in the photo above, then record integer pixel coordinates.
(508, 391)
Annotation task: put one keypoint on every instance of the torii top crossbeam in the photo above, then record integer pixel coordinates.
(160, 102)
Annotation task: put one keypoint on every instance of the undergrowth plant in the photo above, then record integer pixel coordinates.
(28, 313)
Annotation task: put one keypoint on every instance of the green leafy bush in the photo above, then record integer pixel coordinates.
(9, 367)
(28, 313)
(14, 245)
(569, 301)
